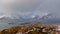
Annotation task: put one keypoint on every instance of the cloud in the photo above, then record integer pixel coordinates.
(13, 8)
(50, 6)
(17, 8)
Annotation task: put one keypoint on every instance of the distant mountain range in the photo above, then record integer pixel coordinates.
(45, 19)
(49, 19)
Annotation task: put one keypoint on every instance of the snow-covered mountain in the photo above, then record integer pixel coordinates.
(50, 18)
(4, 19)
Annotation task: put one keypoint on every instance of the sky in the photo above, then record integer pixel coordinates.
(17, 8)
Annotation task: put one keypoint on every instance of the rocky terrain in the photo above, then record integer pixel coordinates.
(37, 28)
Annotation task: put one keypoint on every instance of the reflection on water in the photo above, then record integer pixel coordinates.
(8, 25)
(5, 25)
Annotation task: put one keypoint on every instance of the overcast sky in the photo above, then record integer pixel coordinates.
(16, 8)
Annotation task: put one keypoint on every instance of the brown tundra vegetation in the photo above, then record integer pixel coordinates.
(32, 29)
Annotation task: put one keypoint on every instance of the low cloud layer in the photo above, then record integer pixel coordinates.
(17, 8)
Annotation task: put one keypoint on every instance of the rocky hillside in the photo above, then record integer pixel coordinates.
(32, 29)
